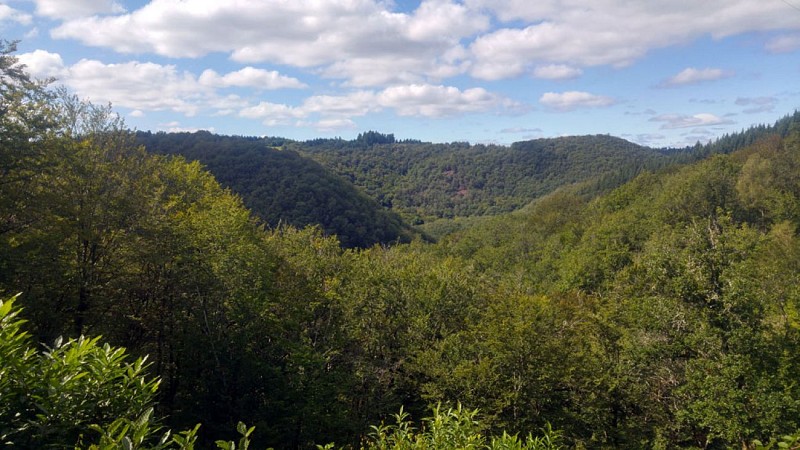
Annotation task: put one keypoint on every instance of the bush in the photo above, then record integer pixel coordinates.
(454, 428)
(61, 397)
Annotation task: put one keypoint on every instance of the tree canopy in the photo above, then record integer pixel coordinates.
(661, 313)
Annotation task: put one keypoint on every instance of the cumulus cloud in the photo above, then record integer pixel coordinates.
(43, 64)
(339, 37)
(557, 72)
(608, 32)
(138, 85)
(434, 18)
(8, 13)
(146, 86)
(757, 104)
(337, 111)
(690, 75)
(509, 10)
(570, 100)
(436, 101)
(135, 85)
(674, 121)
(437, 40)
(60, 9)
(273, 114)
(349, 105)
(250, 77)
(389, 69)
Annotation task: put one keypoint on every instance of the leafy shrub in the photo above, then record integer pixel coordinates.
(60, 397)
(453, 428)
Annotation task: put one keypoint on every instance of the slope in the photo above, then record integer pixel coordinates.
(282, 187)
(425, 181)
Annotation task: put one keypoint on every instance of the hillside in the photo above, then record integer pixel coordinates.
(282, 187)
(366, 190)
(664, 313)
(427, 181)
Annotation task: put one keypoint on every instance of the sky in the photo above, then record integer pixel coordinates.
(656, 72)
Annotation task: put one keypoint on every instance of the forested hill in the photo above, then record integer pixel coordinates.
(282, 187)
(664, 313)
(426, 181)
(362, 190)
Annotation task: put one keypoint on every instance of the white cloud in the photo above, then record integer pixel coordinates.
(8, 13)
(138, 85)
(61, 9)
(570, 100)
(526, 10)
(556, 72)
(609, 32)
(175, 127)
(435, 18)
(690, 75)
(146, 86)
(339, 37)
(353, 104)
(367, 43)
(784, 44)
(437, 101)
(273, 114)
(43, 64)
(673, 121)
(337, 111)
(250, 77)
(757, 104)
(389, 69)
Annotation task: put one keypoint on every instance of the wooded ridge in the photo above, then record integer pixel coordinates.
(651, 307)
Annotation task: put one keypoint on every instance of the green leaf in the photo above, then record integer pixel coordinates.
(165, 437)
(226, 445)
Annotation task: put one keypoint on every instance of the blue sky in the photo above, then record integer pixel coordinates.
(656, 72)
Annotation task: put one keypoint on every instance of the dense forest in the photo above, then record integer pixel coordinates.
(436, 187)
(139, 295)
(424, 181)
(282, 187)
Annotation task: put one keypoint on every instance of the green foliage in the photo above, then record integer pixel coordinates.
(424, 181)
(244, 440)
(664, 313)
(283, 188)
(126, 434)
(451, 428)
(50, 399)
(788, 442)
